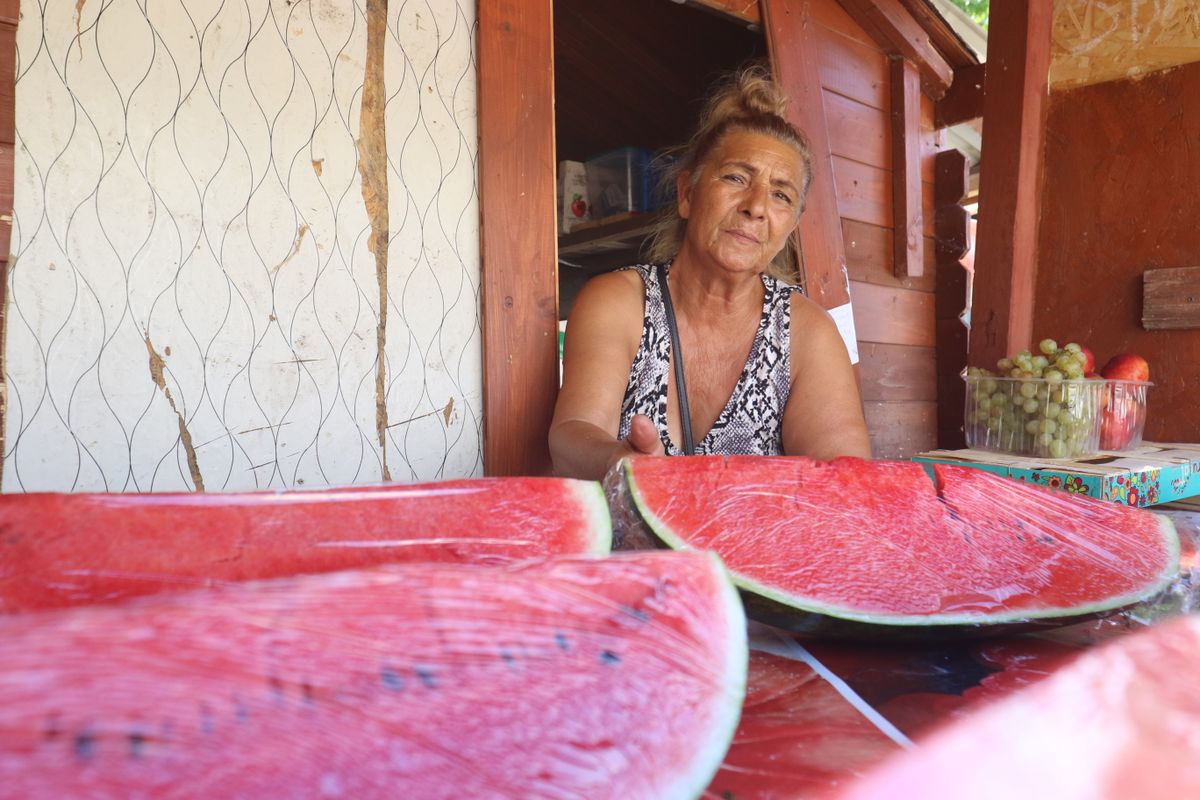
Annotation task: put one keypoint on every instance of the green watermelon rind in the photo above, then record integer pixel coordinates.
(596, 516)
(803, 604)
(710, 751)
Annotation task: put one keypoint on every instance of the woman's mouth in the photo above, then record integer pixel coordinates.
(743, 236)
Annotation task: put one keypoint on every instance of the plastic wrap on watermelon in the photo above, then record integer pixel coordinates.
(570, 677)
(630, 531)
(71, 549)
(887, 549)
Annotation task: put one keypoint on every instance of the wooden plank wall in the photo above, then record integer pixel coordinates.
(894, 316)
(9, 11)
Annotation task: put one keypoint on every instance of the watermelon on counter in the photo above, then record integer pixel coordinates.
(72, 549)
(613, 678)
(868, 548)
(1119, 722)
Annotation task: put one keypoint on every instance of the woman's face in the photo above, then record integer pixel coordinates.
(744, 204)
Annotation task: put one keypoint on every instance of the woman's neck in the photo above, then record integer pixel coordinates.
(713, 295)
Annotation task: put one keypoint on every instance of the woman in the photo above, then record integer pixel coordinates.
(764, 369)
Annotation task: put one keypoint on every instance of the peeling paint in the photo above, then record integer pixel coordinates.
(301, 232)
(318, 166)
(372, 165)
(447, 411)
(157, 369)
(79, 4)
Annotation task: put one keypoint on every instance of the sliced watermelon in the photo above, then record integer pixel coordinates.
(797, 737)
(68, 549)
(858, 547)
(568, 678)
(1119, 722)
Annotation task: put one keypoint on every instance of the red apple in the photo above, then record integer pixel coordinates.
(579, 206)
(1090, 364)
(1126, 367)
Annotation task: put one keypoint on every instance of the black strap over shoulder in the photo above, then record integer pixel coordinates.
(685, 416)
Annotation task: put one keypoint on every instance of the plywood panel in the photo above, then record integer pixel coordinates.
(1171, 298)
(897, 372)
(1093, 41)
(901, 430)
(831, 15)
(892, 316)
(869, 257)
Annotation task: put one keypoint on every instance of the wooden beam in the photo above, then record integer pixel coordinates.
(964, 99)
(1171, 299)
(899, 34)
(953, 231)
(944, 38)
(909, 221)
(517, 233)
(792, 42)
(1014, 121)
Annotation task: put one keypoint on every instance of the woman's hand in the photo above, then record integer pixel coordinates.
(642, 441)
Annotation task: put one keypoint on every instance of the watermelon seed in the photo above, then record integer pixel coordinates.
(636, 613)
(609, 657)
(426, 677)
(277, 688)
(85, 745)
(508, 657)
(391, 679)
(137, 745)
(307, 689)
(1046, 538)
(53, 727)
(240, 709)
(561, 640)
(207, 725)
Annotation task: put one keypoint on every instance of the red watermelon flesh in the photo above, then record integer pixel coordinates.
(69, 549)
(797, 737)
(568, 678)
(1119, 722)
(878, 542)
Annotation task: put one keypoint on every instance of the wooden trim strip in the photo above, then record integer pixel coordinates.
(907, 212)
(517, 233)
(896, 31)
(795, 50)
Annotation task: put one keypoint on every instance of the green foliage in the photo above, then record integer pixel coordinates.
(976, 10)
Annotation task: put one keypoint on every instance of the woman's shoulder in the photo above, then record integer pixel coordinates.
(612, 296)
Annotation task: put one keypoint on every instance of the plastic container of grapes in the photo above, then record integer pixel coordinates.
(1123, 417)
(1034, 416)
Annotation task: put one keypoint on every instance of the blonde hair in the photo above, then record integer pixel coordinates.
(746, 100)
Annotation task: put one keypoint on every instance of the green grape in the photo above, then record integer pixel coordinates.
(999, 399)
(1049, 426)
(1074, 370)
(1073, 347)
(1018, 399)
(1004, 364)
(1033, 426)
(1064, 361)
(996, 412)
(1040, 363)
(1058, 449)
(1028, 389)
(1048, 346)
(1044, 439)
(1053, 410)
(983, 402)
(1052, 376)
(989, 386)
(1031, 406)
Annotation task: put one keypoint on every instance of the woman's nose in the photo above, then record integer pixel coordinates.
(754, 200)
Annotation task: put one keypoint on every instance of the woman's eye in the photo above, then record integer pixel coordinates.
(734, 177)
(784, 196)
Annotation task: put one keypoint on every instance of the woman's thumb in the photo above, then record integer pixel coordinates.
(643, 436)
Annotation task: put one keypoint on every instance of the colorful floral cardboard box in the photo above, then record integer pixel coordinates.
(1147, 476)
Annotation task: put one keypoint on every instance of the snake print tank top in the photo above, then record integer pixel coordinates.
(752, 421)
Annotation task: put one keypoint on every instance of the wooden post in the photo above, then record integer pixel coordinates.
(908, 219)
(794, 49)
(952, 228)
(9, 12)
(1014, 114)
(517, 234)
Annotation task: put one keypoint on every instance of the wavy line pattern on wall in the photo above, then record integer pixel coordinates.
(193, 302)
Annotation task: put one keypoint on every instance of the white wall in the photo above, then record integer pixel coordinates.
(190, 272)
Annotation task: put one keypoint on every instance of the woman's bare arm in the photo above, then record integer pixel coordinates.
(603, 334)
(824, 417)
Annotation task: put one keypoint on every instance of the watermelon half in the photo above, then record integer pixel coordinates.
(71, 549)
(565, 678)
(1119, 722)
(863, 547)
